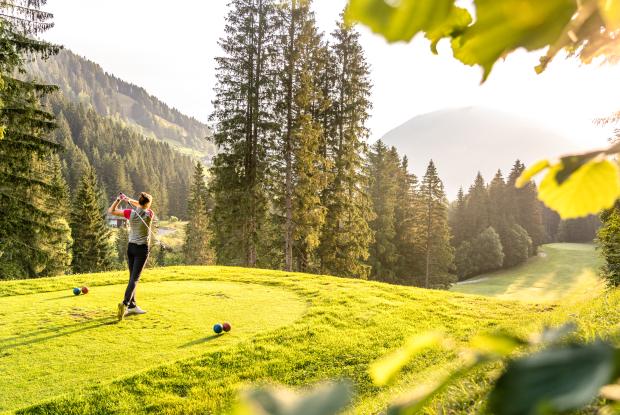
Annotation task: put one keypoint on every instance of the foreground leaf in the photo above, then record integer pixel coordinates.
(499, 344)
(385, 369)
(610, 10)
(556, 379)
(327, 399)
(502, 26)
(590, 188)
(405, 18)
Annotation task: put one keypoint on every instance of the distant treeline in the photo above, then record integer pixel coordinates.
(85, 82)
(123, 160)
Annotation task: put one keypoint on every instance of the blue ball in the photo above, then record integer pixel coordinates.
(77, 291)
(218, 328)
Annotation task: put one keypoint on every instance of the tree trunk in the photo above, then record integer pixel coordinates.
(428, 237)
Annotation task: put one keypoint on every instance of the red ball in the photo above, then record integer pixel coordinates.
(84, 290)
(226, 327)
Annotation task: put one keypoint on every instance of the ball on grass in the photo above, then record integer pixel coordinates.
(77, 291)
(218, 328)
(226, 327)
(84, 290)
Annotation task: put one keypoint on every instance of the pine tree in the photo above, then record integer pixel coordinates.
(384, 170)
(434, 235)
(122, 240)
(405, 214)
(525, 207)
(301, 174)
(346, 235)
(458, 219)
(33, 235)
(92, 249)
(243, 110)
(197, 248)
(477, 212)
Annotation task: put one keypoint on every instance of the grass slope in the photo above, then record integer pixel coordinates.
(561, 271)
(289, 328)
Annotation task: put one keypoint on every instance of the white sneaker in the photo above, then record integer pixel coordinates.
(136, 310)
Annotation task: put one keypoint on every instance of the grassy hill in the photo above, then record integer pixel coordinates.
(561, 271)
(62, 354)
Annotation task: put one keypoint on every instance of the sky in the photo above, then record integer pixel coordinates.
(169, 49)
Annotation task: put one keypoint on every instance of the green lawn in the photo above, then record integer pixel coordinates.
(61, 354)
(561, 271)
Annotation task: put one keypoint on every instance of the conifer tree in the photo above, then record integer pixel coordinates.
(405, 214)
(458, 219)
(525, 207)
(477, 212)
(33, 235)
(197, 248)
(434, 235)
(346, 235)
(92, 249)
(243, 111)
(122, 240)
(301, 174)
(384, 171)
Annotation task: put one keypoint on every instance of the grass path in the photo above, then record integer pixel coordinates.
(562, 271)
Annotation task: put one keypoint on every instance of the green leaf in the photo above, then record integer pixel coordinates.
(453, 25)
(402, 20)
(499, 344)
(502, 26)
(575, 190)
(610, 10)
(529, 173)
(415, 402)
(326, 399)
(384, 370)
(552, 335)
(556, 379)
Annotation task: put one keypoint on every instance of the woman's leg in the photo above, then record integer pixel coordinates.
(140, 255)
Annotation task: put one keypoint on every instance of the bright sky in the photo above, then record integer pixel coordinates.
(169, 48)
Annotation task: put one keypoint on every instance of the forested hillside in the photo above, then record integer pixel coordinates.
(83, 81)
(123, 159)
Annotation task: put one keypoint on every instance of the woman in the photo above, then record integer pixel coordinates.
(140, 220)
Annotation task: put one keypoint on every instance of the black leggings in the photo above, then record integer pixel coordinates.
(136, 258)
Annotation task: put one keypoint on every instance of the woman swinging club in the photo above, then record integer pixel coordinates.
(140, 220)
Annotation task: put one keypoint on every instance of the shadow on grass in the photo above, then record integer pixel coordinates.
(39, 336)
(200, 341)
(62, 297)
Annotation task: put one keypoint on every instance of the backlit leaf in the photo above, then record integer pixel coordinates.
(499, 344)
(555, 379)
(385, 369)
(502, 26)
(402, 20)
(610, 10)
(592, 187)
(529, 173)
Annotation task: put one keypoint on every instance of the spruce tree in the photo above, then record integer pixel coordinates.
(92, 249)
(434, 234)
(384, 170)
(299, 165)
(477, 212)
(458, 219)
(346, 235)
(405, 213)
(243, 112)
(122, 239)
(34, 236)
(524, 206)
(197, 249)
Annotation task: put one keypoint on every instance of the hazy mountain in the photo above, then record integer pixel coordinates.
(83, 81)
(464, 141)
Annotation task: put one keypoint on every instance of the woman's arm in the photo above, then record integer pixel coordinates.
(114, 210)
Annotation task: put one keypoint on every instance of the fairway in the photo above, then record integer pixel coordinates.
(62, 354)
(561, 271)
(54, 342)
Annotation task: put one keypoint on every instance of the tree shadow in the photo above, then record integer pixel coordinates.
(200, 341)
(79, 327)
